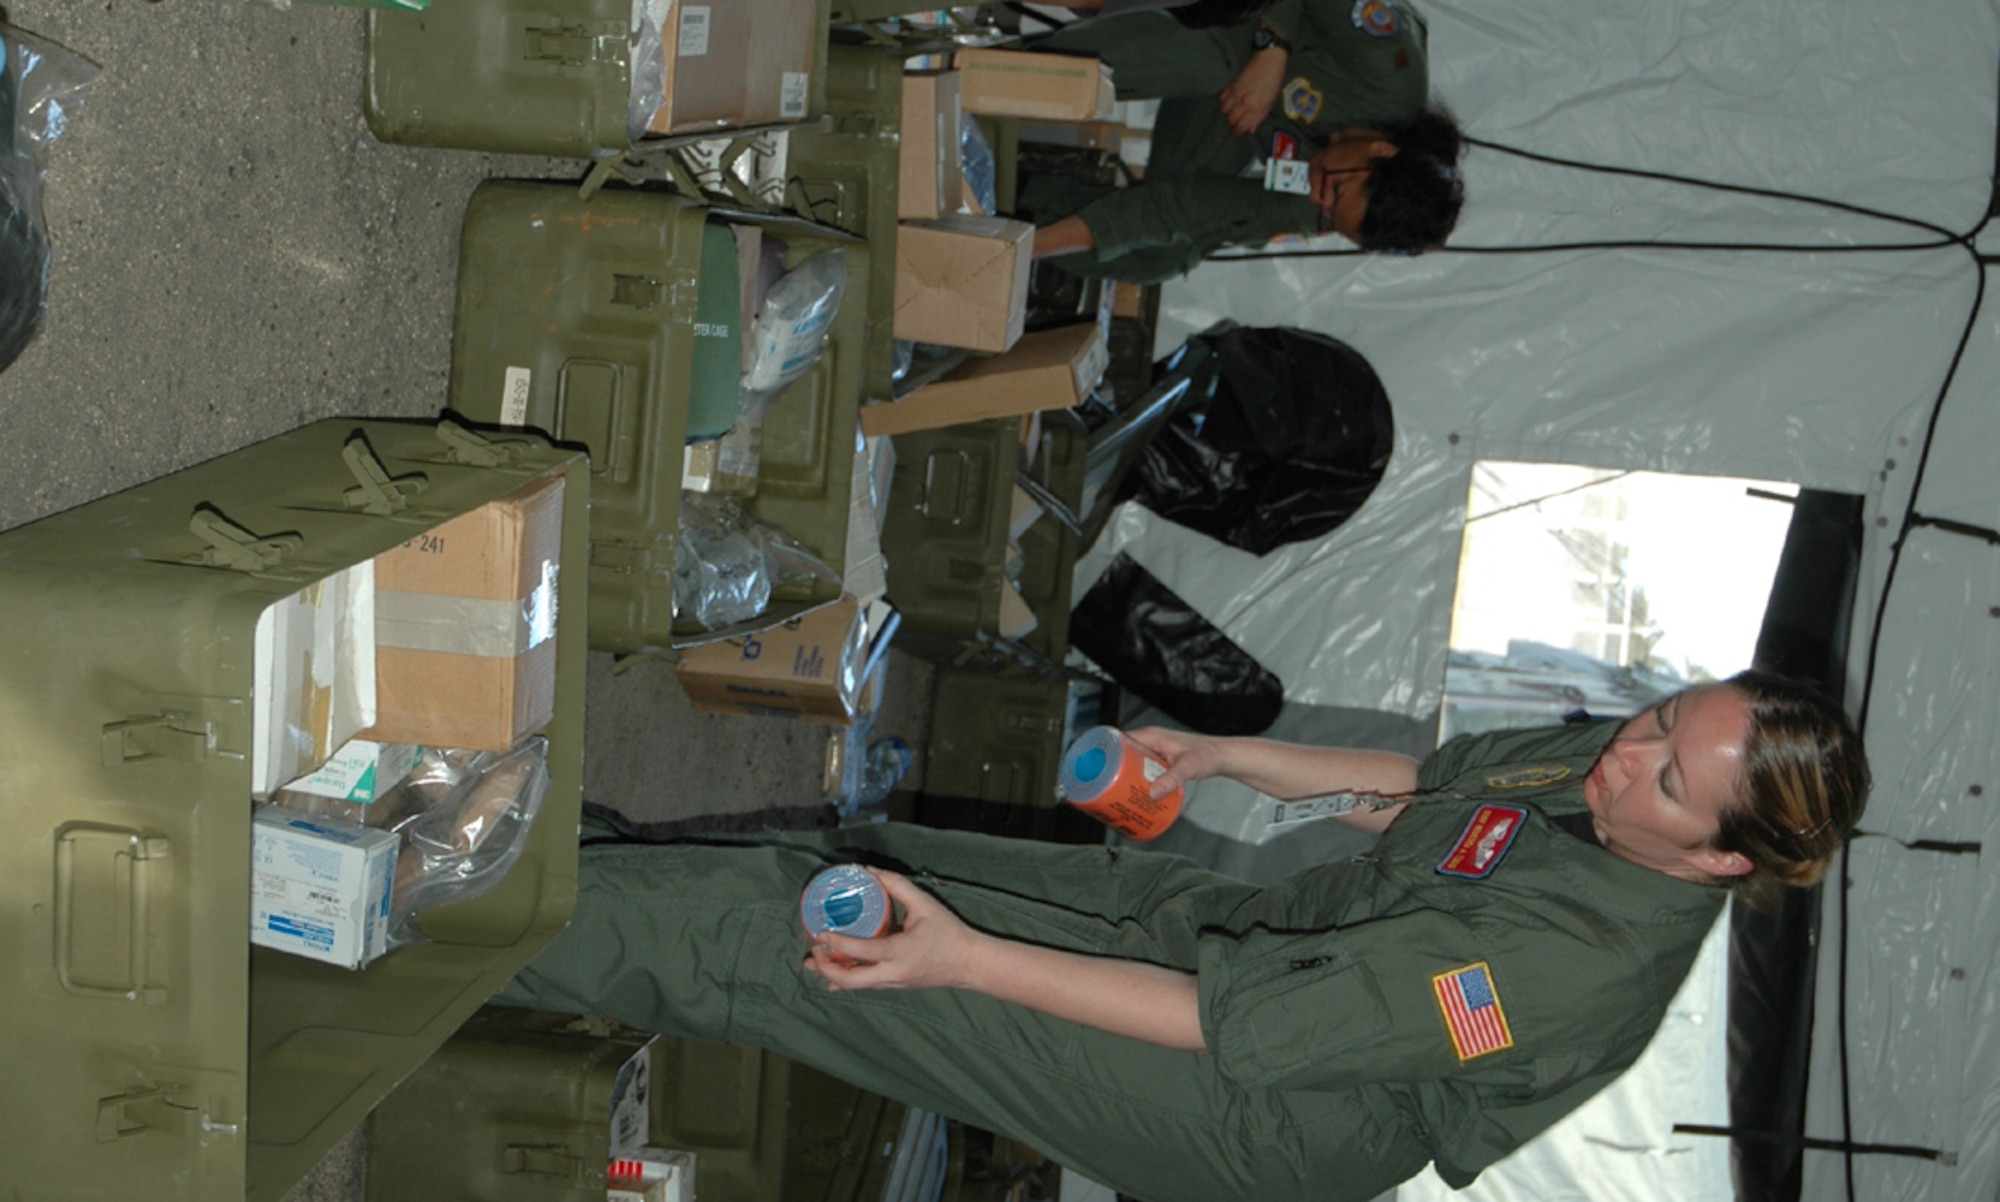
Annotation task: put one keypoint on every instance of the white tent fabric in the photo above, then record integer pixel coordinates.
(1814, 365)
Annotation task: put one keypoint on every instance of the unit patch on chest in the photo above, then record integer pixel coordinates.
(1484, 842)
(1301, 101)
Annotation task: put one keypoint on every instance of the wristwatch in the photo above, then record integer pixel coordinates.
(1266, 37)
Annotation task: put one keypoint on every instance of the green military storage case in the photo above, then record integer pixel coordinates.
(547, 77)
(843, 171)
(946, 533)
(999, 737)
(152, 1052)
(576, 315)
(523, 1106)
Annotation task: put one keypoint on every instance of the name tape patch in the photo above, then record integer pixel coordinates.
(1487, 835)
(1472, 1013)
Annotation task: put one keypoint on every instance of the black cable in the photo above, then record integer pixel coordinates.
(1943, 237)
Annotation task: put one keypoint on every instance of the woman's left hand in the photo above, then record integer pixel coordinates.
(932, 948)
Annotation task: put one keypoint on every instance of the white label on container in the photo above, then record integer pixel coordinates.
(514, 397)
(792, 97)
(694, 31)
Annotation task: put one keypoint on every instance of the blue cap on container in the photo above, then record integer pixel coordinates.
(1091, 764)
(845, 899)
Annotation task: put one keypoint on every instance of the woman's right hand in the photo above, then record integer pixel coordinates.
(1188, 756)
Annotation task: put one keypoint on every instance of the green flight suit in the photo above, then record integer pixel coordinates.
(1332, 1072)
(1345, 69)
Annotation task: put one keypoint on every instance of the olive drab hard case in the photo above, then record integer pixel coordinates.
(576, 316)
(951, 503)
(152, 1052)
(549, 77)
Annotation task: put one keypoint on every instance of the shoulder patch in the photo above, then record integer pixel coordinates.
(1301, 101)
(1484, 842)
(1378, 18)
(1472, 1014)
(1528, 778)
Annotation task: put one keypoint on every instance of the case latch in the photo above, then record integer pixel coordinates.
(379, 493)
(231, 546)
(476, 450)
(572, 46)
(547, 1160)
(152, 1110)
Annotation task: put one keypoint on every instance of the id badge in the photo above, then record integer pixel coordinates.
(1288, 175)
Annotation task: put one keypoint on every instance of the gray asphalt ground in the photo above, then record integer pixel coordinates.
(235, 255)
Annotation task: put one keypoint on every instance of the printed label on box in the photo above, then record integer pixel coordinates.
(694, 31)
(792, 97)
(514, 396)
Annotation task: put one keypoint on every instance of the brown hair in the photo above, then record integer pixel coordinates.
(1804, 783)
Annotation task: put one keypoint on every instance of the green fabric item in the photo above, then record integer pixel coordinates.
(715, 374)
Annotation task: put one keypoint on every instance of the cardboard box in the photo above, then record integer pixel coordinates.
(725, 466)
(735, 64)
(313, 663)
(1050, 369)
(360, 771)
(812, 667)
(963, 281)
(1047, 87)
(465, 620)
(1085, 135)
(320, 887)
(929, 179)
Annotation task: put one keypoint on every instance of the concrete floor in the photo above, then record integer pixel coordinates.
(234, 255)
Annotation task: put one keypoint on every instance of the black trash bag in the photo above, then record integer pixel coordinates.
(1294, 440)
(1155, 644)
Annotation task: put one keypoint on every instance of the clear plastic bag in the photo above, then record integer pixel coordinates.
(649, 65)
(792, 327)
(40, 87)
(463, 817)
(975, 159)
(726, 563)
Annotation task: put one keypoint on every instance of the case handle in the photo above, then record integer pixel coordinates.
(104, 884)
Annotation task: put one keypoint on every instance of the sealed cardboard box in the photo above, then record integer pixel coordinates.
(465, 650)
(812, 667)
(1049, 369)
(1046, 87)
(963, 281)
(742, 63)
(929, 180)
(320, 887)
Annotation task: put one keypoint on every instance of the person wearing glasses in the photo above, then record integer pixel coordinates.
(1339, 87)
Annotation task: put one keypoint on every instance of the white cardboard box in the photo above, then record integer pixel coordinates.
(362, 770)
(319, 887)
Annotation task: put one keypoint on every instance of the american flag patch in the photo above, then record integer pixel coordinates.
(1472, 1011)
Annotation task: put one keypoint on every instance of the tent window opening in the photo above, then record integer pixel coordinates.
(1601, 590)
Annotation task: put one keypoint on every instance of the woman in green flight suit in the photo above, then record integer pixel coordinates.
(1505, 952)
